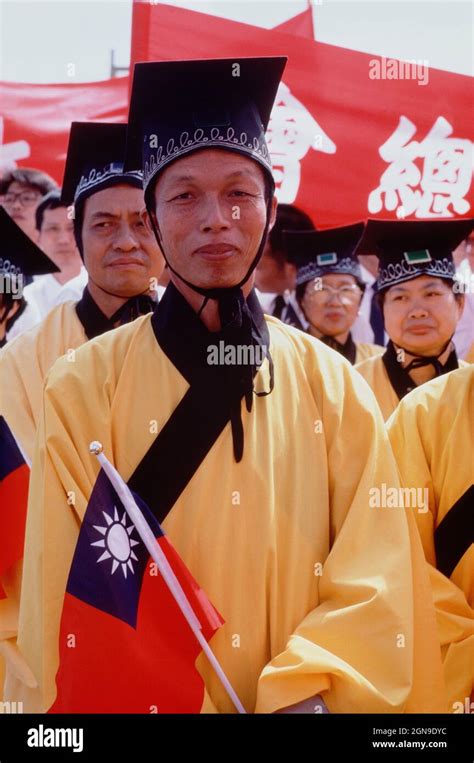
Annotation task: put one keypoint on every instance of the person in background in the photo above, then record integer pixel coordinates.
(122, 259)
(416, 288)
(369, 325)
(275, 274)
(329, 286)
(432, 436)
(20, 257)
(56, 238)
(464, 334)
(21, 190)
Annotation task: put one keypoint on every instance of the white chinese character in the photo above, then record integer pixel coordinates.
(433, 186)
(292, 131)
(11, 152)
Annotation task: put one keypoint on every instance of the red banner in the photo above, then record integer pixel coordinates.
(351, 135)
(35, 119)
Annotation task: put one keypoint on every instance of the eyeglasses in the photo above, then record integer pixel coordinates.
(27, 198)
(348, 293)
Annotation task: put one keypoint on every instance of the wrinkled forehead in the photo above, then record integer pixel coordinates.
(420, 283)
(207, 166)
(118, 200)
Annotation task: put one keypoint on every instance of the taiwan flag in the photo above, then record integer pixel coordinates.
(125, 646)
(14, 479)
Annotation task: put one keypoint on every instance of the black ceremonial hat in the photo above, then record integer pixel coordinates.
(19, 255)
(178, 107)
(317, 253)
(410, 248)
(94, 160)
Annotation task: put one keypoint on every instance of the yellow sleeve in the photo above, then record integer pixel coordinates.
(455, 617)
(370, 645)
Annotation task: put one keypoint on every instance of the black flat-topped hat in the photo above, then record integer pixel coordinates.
(320, 252)
(19, 255)
(178, 107)
(408, 249)
(94, 160)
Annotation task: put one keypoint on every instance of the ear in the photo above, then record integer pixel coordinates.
(460, 301)
(273, 212)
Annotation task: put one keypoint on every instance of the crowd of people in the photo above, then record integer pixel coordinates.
(321, 492)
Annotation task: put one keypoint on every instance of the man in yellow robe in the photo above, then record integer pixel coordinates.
(122, 259)
(432, 435)
(326, 601)
(416, 286)
(21, 258)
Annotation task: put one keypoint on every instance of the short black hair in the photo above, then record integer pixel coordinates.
(288, 217)
(34, 178)
(52, 200)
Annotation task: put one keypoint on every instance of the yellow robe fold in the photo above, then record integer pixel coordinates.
(374, 372)
(366, 350)
(24, 363)
(320, 593)
(432, 433)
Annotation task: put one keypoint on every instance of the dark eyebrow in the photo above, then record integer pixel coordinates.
(104, 214)
(231, 176)
(428, 285)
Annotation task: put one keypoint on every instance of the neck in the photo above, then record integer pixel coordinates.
(425, 373)
(70, 268)
(107, 303)
(210, 314)
(341, 338)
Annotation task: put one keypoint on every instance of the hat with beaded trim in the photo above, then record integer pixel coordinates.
(408, 249)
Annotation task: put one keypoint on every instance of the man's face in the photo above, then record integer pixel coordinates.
(56, 236)
(211, 211)
(120, 254)
(421, 314)
(20, 201)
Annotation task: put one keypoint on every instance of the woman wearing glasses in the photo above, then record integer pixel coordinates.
(329, 286)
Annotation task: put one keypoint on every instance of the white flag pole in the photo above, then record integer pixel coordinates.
(156, 552)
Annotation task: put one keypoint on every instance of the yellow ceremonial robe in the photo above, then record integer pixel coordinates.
(366, 350)
(24, 363)
(374, 372)
(432, 433)
(319, 592)
(470, 354)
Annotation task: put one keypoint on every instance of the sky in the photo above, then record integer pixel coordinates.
(40, 39)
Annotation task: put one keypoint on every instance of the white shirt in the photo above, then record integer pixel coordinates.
(464, 334)
(361, 329)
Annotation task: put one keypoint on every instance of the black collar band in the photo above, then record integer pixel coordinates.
(96, 323)
(400, 379)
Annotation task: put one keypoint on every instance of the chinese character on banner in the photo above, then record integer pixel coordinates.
(428, 178)
(292, 131)
(10, 153)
